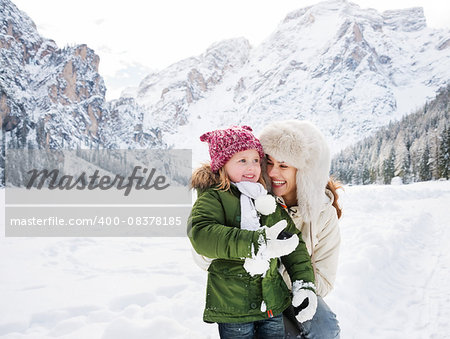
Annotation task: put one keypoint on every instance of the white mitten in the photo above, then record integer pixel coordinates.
(276, 248)
(304, 300)
(270, 248)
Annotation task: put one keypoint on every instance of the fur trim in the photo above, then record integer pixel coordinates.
(301, 145)
(203, 178)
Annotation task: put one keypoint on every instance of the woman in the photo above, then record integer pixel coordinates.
(298, 164)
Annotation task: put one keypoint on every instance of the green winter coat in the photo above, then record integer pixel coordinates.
(232, 294)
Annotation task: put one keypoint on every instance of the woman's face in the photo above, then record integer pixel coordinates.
(283, 180)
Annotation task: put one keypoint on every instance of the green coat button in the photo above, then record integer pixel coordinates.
(253, 305)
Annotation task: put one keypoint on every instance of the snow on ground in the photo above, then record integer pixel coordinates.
(392, 281)
(394, 269)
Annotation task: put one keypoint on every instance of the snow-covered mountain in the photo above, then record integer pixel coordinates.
(49, 97)
(347, 69)
(55, 98)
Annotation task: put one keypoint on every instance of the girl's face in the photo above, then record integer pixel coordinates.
(283, 179)
(244, 166)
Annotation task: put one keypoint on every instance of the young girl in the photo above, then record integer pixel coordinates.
(246, 294)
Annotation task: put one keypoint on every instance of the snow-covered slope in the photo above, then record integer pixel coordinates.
(347, 69)
(392, 279)
(395, 264)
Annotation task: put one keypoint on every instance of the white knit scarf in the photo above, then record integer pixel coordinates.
(249, 214)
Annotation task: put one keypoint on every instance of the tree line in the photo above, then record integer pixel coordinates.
(416, 148)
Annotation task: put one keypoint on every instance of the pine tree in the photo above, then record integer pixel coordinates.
(434, 154)
(406, 165)
(365, 175)
(424, 166)
(443, 165)
(389, 167)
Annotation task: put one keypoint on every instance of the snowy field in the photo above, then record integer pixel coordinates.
(393, 279)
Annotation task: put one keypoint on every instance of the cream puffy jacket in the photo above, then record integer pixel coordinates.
(322, 238)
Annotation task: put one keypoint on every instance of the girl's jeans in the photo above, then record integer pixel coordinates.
(271, 328)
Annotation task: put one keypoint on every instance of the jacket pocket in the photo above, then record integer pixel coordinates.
(228, 288)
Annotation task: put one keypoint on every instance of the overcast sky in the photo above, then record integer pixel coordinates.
(133, 37)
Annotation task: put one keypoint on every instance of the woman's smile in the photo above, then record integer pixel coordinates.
(283, 179)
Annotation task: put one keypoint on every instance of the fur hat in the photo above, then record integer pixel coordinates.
(224, 143)
(301, 145)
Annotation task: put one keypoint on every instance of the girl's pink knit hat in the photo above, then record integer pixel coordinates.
(224, 143)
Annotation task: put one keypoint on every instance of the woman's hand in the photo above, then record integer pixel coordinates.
(304, 300)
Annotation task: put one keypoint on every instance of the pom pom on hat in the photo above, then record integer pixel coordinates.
(223, 144)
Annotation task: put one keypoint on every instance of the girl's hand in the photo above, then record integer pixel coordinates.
(275, 247)
(270, 247)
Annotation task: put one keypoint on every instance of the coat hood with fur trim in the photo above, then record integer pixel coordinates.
(203, 178)
(301, 145)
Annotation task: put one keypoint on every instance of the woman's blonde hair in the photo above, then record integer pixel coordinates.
(333, 185)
